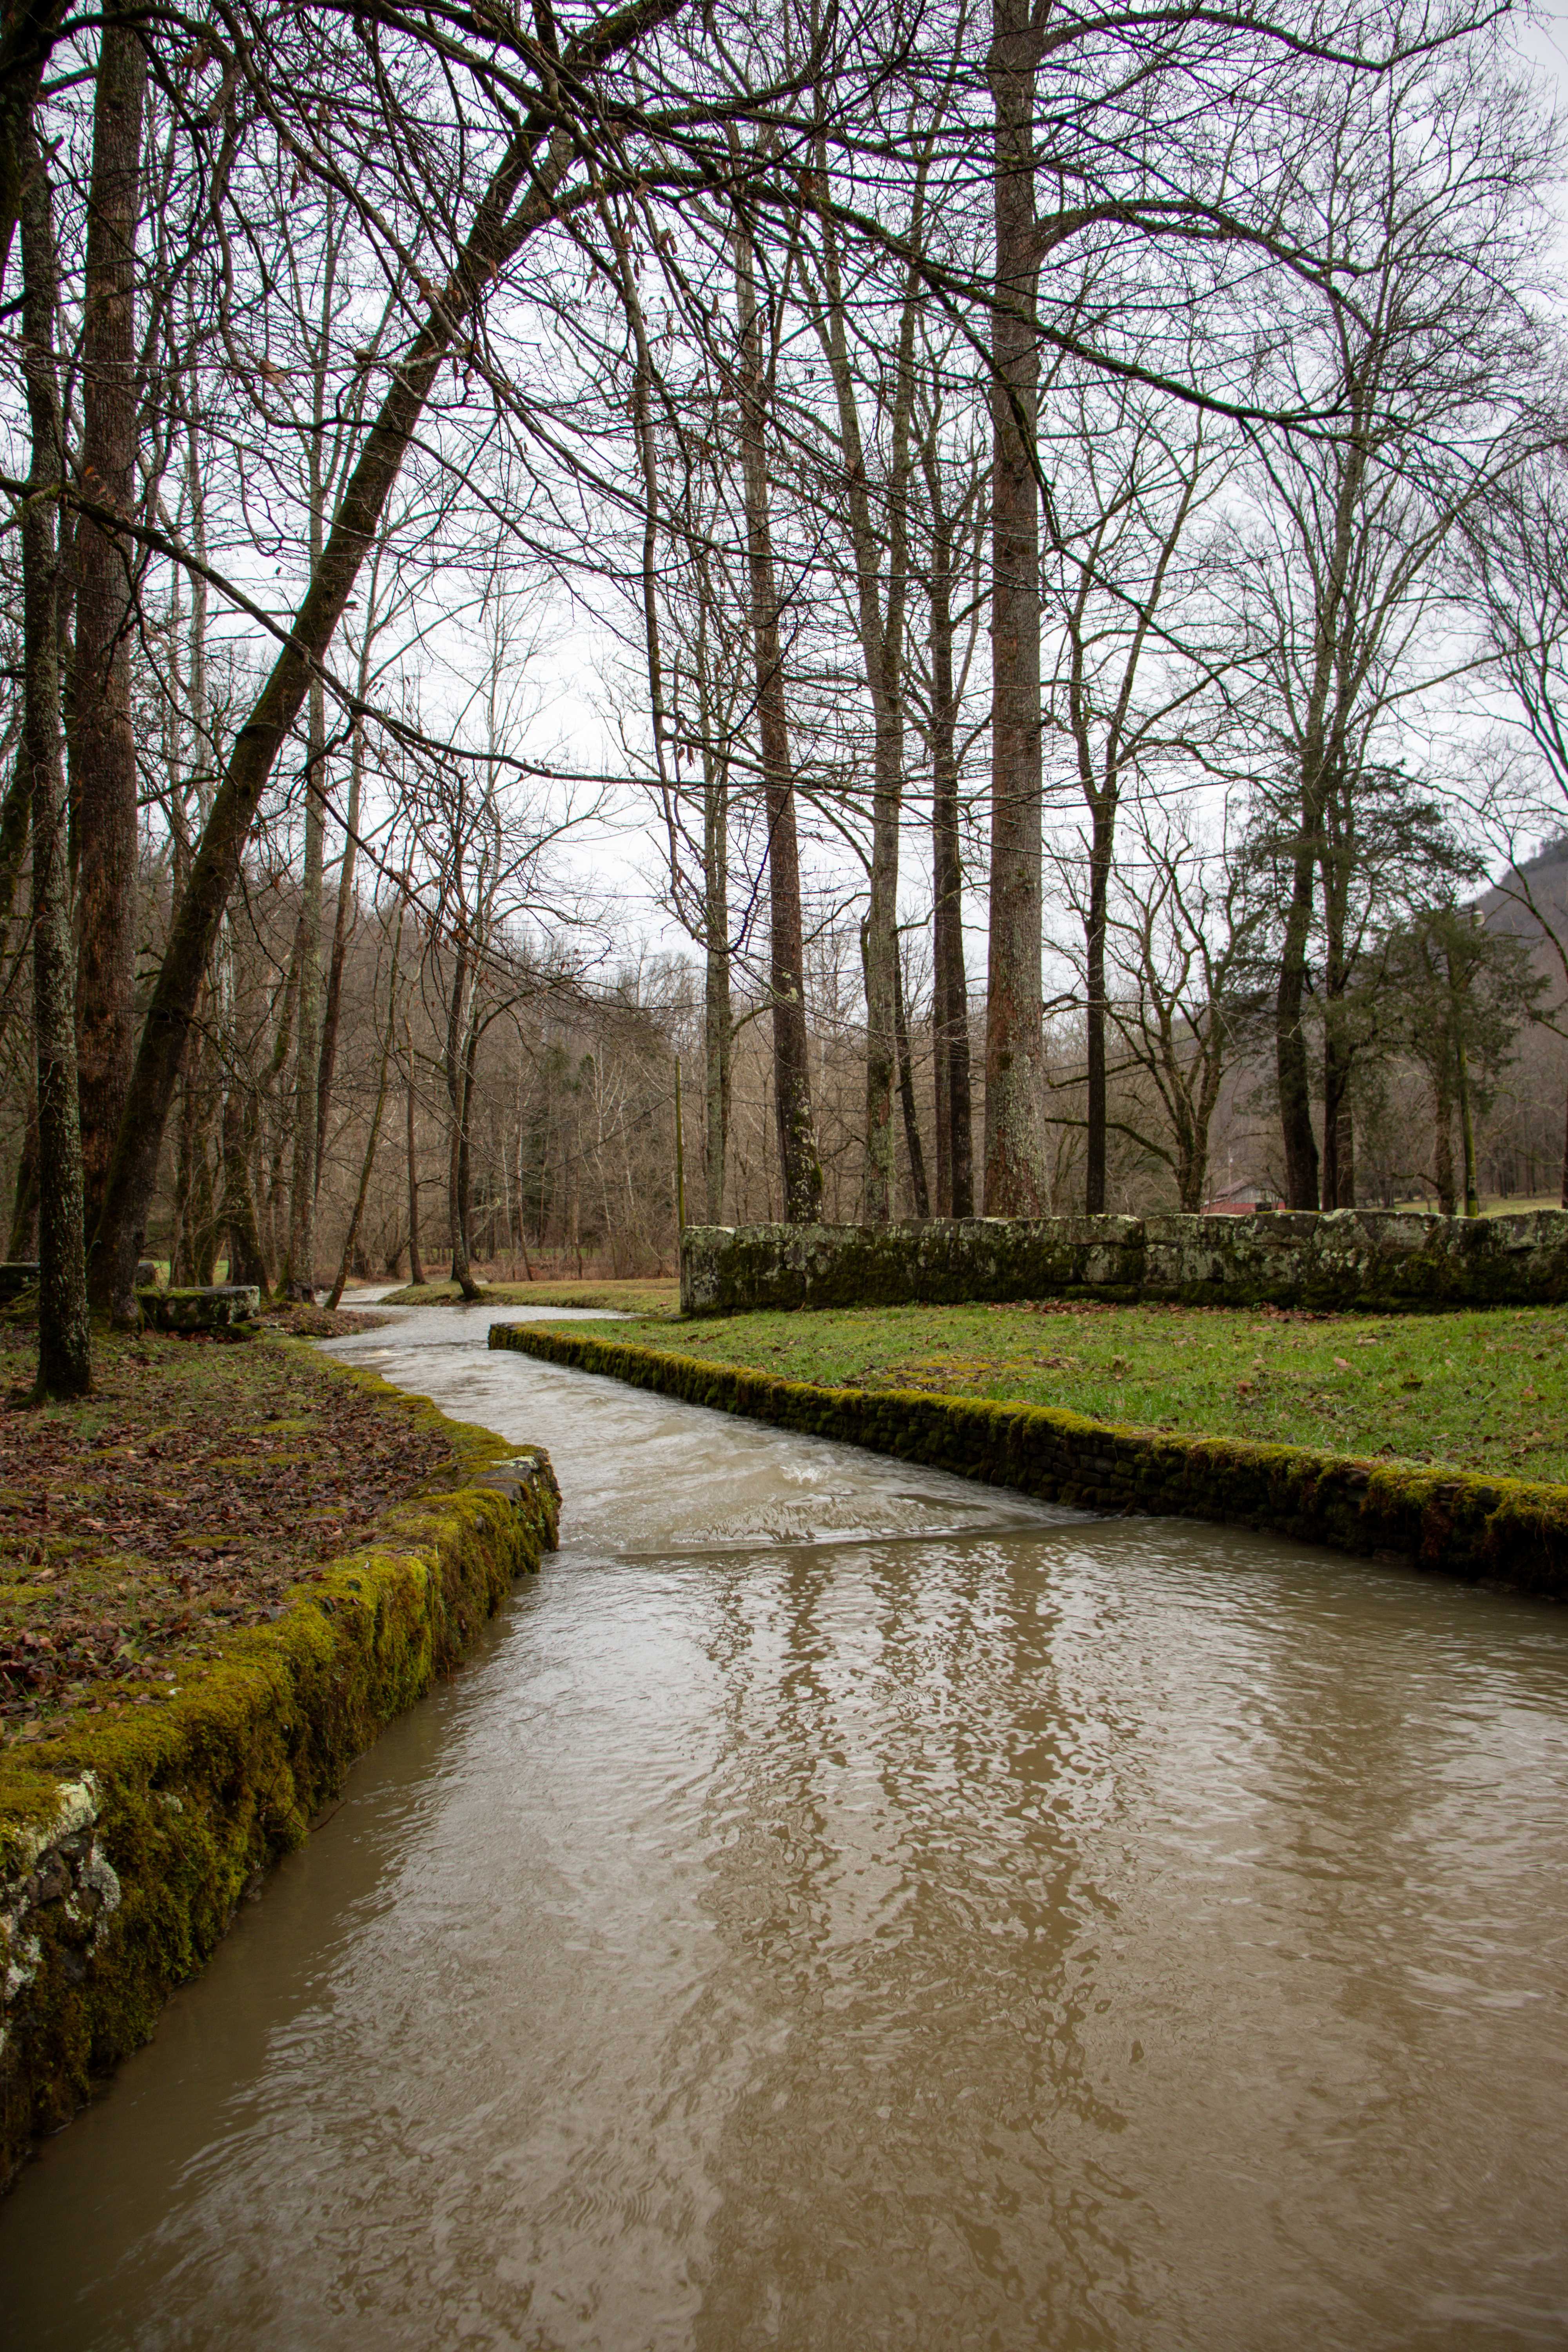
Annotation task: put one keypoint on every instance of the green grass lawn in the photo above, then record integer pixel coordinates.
(1483, 1391)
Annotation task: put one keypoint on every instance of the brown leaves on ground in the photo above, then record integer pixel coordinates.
(190, 1493)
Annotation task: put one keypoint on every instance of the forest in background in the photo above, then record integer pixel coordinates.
(990, 588)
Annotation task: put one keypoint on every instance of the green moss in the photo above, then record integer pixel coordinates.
(1506, 1530)
(125, 1846)
(1482, 1389)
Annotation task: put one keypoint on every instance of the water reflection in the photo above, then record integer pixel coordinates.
(842, 1908)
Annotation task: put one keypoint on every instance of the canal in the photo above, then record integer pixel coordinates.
(837, 1906)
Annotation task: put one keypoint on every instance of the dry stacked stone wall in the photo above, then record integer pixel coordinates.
(1371, 1259)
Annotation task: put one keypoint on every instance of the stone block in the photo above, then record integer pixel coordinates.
(225, 1307)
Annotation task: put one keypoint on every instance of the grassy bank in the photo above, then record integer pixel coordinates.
(184, 1499)
(220, 1575)
(1513, 1531)
(1484, 1391)
(631, 1296)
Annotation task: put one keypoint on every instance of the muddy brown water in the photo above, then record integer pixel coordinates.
(839, 1906)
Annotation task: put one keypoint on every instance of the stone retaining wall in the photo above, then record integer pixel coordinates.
(1501, 1530)
(1373, 1259)
(125, 1852)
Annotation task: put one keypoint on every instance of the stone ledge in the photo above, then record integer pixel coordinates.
(220, 1306)
(125, 1852)
(1374, 1260)
(1494, 1530)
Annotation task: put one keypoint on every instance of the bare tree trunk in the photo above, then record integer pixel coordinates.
(918, 1185)
(189, 1144)
(1015, 1182)
(351, 1236)
(246, 1259)
(15, 813)
(25, 1195)
(1462, 1094)
(416, 1264)
(1339, 1126)
(881, 632)
(457, 1136)
(299, 1274)
(801, 1169)
(954, 1114)
(341, 925)
(718, 1029)
(1291, 1042)
(103, 746)
(65, 1353)
(1443, 1137)
(1095, 926)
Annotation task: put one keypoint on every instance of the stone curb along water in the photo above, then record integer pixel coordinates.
(125, 1852)
(1496, 1530)
(1374, 1260)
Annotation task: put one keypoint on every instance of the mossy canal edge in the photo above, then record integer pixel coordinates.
(126, 1849)
(1505, 1531)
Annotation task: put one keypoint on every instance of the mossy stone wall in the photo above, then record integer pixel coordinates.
(1373, 1259)
(125, 1851)
(1500, 1530)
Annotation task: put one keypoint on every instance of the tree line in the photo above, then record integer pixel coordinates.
(1033, 538)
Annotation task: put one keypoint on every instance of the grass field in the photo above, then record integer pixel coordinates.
(1483, 1391)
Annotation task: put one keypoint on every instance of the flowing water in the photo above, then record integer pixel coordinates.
(839, 1907)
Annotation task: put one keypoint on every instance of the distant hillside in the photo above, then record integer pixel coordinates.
(1542, 879)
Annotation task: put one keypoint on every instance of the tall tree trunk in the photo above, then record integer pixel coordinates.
(918, 1185)
(1096, 924)
(1291, 1038)
(465, 1147)
(190, 1146)
(333, 1013)
(65, 1353)
(802, 1172)
(16, 810)
(416, 1263)
(455, 1061)
(1443, 1137)
(1462, 1094)
(1015, 1182)
(357, 1215)
(955, 1113)
(22, 1242)
(1339, 860)
(881, 631)
(246, 1259)
(537, 161)
(104, 745)
(718, 1028)
(299, 1277)
(1339, 1126)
